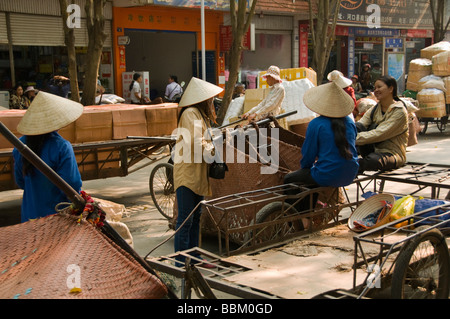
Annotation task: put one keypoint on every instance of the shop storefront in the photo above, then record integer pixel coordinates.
(32, 47)
(388, 34)
(267, 42)
(384, 33)
(163, 41)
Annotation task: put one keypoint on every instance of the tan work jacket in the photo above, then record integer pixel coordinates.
(190, 168)
(391, 134)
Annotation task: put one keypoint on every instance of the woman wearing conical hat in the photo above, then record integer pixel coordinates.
(190, 173)
(46, 115)
(329, 155)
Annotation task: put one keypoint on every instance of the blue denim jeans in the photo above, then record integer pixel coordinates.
(188, 236)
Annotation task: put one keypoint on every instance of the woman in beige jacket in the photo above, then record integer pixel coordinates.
(383, 130)
(190, 173)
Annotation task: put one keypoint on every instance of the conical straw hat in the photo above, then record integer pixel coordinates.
(369, 206)
(339, 78)
(48, 113)
(329, 100)
(198, 91)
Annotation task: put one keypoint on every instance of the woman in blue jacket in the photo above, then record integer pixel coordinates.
(329, 155)
(39, 125)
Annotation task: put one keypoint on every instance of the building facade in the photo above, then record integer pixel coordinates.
(32, 47)
(387, 33)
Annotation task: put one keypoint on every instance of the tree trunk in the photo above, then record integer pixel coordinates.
(322, 33)
(97, 36)
(69, 40)
(239, 27)
(437, 13)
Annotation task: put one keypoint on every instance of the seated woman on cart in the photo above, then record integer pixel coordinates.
(383, 130)
(329, 156)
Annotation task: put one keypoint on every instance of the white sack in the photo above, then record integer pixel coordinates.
(293, 101)
(235, 109)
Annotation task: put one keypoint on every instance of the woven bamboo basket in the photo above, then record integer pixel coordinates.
(370, 205)
(42, 259)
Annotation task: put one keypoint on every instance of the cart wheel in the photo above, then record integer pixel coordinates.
(442, 123)
(423, 126)
(272, 212)
(422, 268)
(161, 189)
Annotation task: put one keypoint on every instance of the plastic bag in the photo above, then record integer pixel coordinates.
(402, 207)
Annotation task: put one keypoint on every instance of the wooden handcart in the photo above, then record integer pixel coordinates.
(97, 160)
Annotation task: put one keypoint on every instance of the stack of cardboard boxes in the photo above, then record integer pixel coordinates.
(96, 124)
(109, 122)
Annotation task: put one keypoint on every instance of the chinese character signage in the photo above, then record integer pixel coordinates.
(414, 14)
(303, 45)
(393, 43)
(226, 38)
(351, 55)
(209, 4)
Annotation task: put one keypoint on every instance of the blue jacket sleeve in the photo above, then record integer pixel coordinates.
(68, 167)
(18, 176)
(310, 146)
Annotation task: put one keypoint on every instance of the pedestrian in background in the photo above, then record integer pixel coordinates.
(366, 79)
(375, 73)
(59, 85)
(136, 95)
(271, 105)
(18, 99)
(30, 94)
(343, 82)
(356, 85)
(174, 90)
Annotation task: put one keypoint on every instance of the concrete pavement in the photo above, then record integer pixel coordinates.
(149, 228)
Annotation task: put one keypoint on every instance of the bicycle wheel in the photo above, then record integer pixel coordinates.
(161, 189)
(422, 268)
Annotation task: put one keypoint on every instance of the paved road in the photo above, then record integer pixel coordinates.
(149, 228)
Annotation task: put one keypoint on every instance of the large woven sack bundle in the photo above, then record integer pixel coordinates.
(441, 64)
(431, 103)
(431, 82)
(434, 49)
(447, 87)
(418, 68)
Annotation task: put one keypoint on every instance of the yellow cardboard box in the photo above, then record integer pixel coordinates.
(290, 75)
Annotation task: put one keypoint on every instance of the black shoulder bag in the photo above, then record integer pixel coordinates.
(216, 169)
